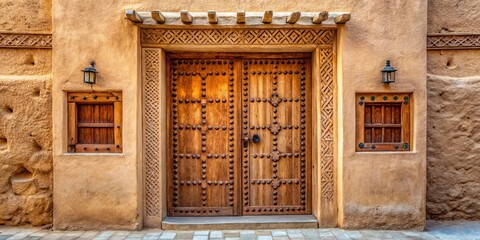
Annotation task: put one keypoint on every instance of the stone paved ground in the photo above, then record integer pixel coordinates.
(435, 230)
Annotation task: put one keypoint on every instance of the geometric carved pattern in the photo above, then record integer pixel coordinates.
(152, 125)
(237, 36)
(327, 86)
(25, 40)
(450, 41)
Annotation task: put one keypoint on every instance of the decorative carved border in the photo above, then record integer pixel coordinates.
(234, 37)
(25, 40)
(327, 86)
(152, 130)
(453, 41)
(237, 36)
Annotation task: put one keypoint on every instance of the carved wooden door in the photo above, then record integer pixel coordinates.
(276, 127)
(238, 135)
(203, 137)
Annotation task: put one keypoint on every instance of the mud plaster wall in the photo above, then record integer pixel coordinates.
(25, 118)
(375, 190)
(453, 115)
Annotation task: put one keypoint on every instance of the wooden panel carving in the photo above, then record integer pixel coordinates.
(237, 36)
(276, 165)
(25, 40)
(453, 41)
(152, 131)
(202, 155)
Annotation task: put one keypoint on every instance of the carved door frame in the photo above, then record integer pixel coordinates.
(321, 42)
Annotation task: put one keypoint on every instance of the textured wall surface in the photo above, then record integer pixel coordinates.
(25, 118)
(453, 147)
(384, 190)
(453, 172)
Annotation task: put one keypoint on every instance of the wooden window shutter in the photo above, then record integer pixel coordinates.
(383, 121)
(95, 122)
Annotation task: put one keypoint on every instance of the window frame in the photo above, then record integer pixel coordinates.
(93, 98)
(362, 99)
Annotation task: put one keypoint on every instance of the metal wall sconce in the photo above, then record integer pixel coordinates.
(90, 74)
(388, 73)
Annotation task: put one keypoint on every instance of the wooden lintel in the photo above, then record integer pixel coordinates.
(158, 17)
(342, 18)
(267, 17)
(212, 17)
(293, 18)
(241, 17)
(320, 17)
(186, 17)
(133, 16)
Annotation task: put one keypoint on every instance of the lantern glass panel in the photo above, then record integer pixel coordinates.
(86, 77)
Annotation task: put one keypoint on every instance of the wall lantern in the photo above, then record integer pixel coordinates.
(388, 73)
(90, 74)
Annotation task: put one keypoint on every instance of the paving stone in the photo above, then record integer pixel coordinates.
(231, 234)
(201, 233)
(216, 234)
(135, 235)
(340, 234)
(279, 233)
(281, 238)
(168, 235)
(247, 232)
(248, 237)
(296, 235)
(200, 237)
(118, 237)
(263, 233)
(237, 238)
(184, 235)
(263, 237)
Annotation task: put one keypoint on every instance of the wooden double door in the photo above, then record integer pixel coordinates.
(239, 134)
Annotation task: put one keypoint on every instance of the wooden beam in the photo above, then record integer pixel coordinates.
(241, 17)
(133, 16)
(342, 18)
(158, 17)
(293, 18)
(212, 17)
(267, 17)
(186, 17)
(318, 19)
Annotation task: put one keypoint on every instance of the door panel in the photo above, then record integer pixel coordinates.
(203, 138)
(217, 103)
(276, 96)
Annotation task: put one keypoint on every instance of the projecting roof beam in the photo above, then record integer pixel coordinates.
(186, 17)
(212, 17)
(342, 18)
(293, 18)
(133, 16)
(158, 17)
(267, 17)
(319, 18)
(241, 17)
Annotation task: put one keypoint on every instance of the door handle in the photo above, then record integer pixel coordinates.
(255, 139)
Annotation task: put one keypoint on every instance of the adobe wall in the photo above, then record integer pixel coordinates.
(453, 115)
(376, 190)
(25, 116)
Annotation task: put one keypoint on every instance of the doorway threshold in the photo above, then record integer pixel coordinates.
(240, 222)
